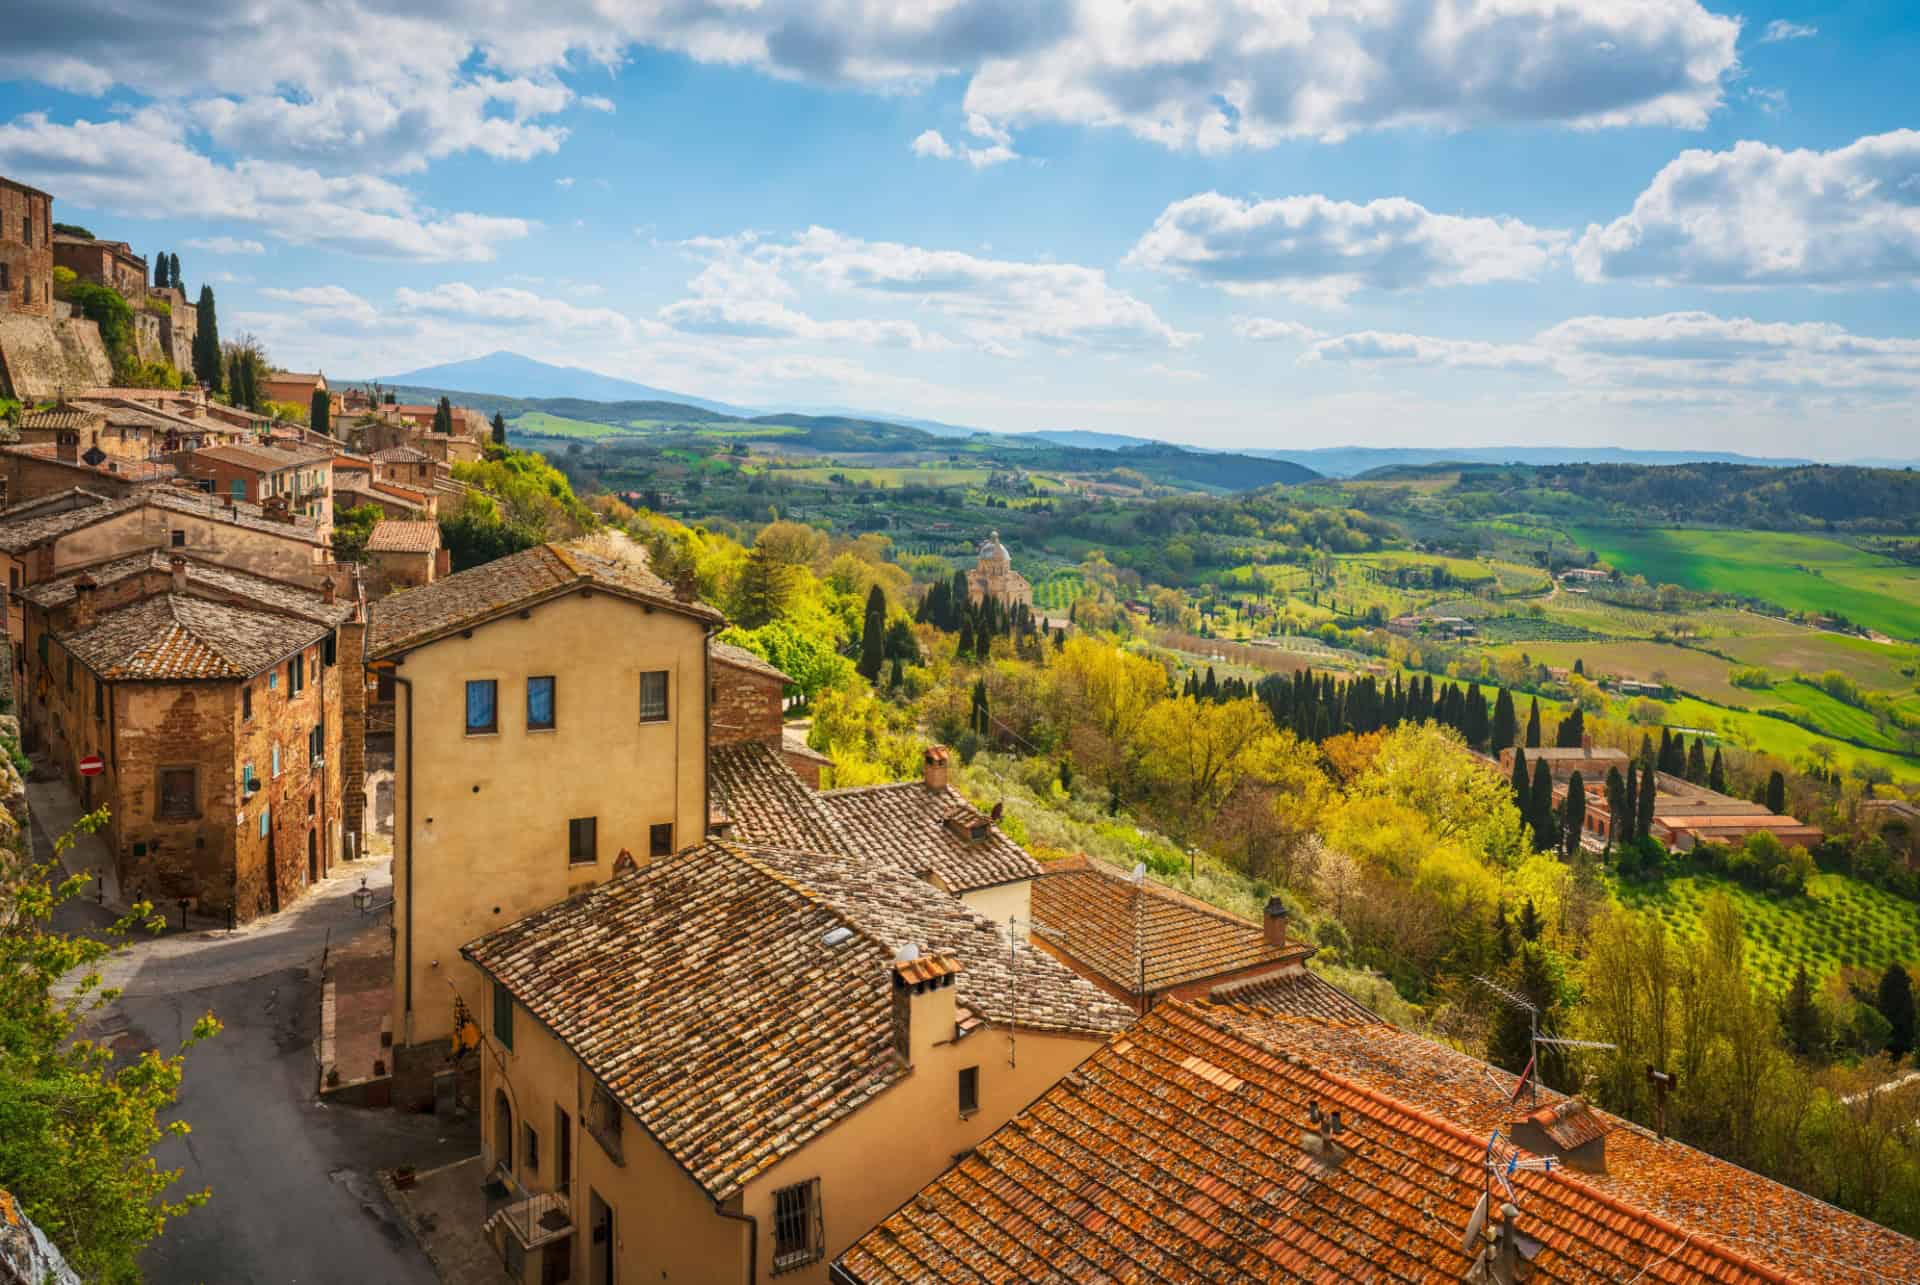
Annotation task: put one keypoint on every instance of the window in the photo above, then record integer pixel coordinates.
(563, 1138)
(266, 819)
(276, 762)
(296, 677)
(330, 650)
(246, 703)
(273, 681)
(237, 489)
(179, 539)
(602, 1120)
(540, 704)
(969, 1090)
(99, 699)
(660, 840)
(69, 671)
(529, 1149)
(581, 840)
(797, 1238)
(502, 1016)
(178, 795)
(316, 743)
(482, 707)
(246, 779)
(653, 696)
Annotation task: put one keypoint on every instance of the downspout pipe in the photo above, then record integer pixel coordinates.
(753, 1239)
(407, 838)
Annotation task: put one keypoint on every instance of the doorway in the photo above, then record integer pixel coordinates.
(313, 857)
(599, 1240)
(273, 872)
(502, 1131)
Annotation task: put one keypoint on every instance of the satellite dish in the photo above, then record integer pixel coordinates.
(906, 954)
(1475, 1225)
(1139, 874)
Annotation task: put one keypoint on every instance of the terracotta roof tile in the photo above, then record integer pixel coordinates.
(1299, 993)
(276, 595)
(1107, 923)
(1181, 1152)
(740, 657)
(765, 802)
(402, 455)
(404, 537)
(178, 636)
(27, 525)
(906, 825)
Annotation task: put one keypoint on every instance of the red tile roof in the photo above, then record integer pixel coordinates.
(179, 636)
(905, 825)
(404, 537)
(1185, 1151)
(741, 658)
(1299, 993)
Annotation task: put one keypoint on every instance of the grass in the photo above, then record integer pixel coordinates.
(1693, 671)
(1840, 921)
(819, 475)
(1835, 716)
(1800, 572)
(1784, 740)
(538, 421)
(1875, 666)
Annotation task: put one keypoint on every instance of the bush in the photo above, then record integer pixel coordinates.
(1752, 677)
(104, 307)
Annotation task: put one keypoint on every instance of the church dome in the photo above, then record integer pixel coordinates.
(991, 550)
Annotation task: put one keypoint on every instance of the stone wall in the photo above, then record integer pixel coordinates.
(40, 356)
(742, 705)
(29, 261)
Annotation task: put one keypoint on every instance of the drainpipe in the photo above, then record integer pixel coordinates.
(407, 985)
(753, 1238)
(706, 736)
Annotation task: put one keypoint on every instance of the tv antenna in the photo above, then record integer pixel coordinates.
(1498, 1164)
(1530, 1078)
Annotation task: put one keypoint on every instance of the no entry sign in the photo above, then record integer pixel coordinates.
(92, 765)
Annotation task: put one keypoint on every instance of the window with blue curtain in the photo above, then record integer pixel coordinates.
(482, 706)
(539, 703)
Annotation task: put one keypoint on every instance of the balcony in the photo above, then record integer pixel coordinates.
(530, 1229)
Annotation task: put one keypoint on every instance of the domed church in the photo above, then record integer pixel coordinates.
(993, 575)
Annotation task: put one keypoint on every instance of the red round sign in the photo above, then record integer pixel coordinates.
(92, 765)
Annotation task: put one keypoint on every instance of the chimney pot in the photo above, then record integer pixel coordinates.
(178, 566)
(83, 590)
(934, 767)
(1274, 922)
(327, 590)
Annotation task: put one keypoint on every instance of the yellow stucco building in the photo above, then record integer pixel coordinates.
(549, 714)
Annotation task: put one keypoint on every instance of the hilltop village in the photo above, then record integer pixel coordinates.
(706, 1012)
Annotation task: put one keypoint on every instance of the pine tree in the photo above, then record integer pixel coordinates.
(206, 343)
(320, 412)
(1800, 1018)
(1717, 774)
(1777, 793)
(443, 417)
(1509, 1044)
(1505, 722)
(1895, 1002)
(1544, 827)
(873, 636)
(1533, 725)
(1573, 817)
(499, 429)
(1530, 922)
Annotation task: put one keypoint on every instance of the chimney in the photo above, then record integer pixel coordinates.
(933, 767)
(684, 587)
(1586, 741)
(67, 446)
(327, 591)
(924, 1012)
(1274, 923)
(177, 564)
(1569, 1131)
(83, 591)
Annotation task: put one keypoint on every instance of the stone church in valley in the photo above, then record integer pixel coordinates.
(993, 576)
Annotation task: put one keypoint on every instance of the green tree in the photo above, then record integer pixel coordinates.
(1894, 999)
(443, 417)
(1618, 806)
(320, 412)
(77, 1132)
(1509, 1043)
(1529, 923)
(980, 715)
(1777, 793)
(104, 307)
(1717, 774)
(1643, 819)
(173, 273)
(1522, 781)
(1800, 1019)
(351, 527)
(1533, 725)
(160, 270)
(873, 636)
(765, 590)
(499, 429)
(897, 676)
(1697, 762)
(207, 366)
(1546, 835)
(1573, 817)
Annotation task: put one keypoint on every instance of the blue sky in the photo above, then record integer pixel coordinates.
(1644, 222)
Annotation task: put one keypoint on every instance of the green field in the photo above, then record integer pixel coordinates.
(1800, 572)
(819, 475)
(538, 421)
(1781, 739)
(1877, 666)
(1689, 670)
(1839, 921)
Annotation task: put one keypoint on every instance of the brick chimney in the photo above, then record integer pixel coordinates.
(327, 591)
(83, 590)
(1274, 923)
(933, 767)
(177, 564)
(924, 1011)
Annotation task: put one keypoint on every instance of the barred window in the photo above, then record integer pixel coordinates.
(653, 696)
(797, 1235)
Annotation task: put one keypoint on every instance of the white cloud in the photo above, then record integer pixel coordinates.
(769, 319)
(996, 146)
(1270, 329)
(1386, 347)
(226, 245)
(505, 305)
(932, 143)
(1780, 29)
(141, 167)
(335, 301)
(997, 303)
(1165, 371)
(1760, 216)
(563, 182)
(1212, 74)
(1319, 250)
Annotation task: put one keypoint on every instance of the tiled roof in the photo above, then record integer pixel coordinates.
(69, 417)
(700, 990)
(110, 466)
(404, 537)
(905, 826)
(176, 636)
(1791, 1232)
(278, 595)
(478, 594)
(793, 741)
(1109, 924)
(1299, 994)
(402, 455)
(766, 803)
(266, 459)
(728, 654)
(24, 525)
(27, 525)
(1181, 1152)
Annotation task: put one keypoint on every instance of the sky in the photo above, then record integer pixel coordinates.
(1235, 223)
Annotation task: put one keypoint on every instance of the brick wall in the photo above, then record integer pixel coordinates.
(743, 705)
(352, 754)
(26, 248)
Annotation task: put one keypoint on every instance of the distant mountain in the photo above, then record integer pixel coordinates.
(933, 426)
(1090, 440)
(1351, 461)
(508, 374)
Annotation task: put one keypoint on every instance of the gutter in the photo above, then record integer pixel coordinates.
(407, 986)
(753, 1238)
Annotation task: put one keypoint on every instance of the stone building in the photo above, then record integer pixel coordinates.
(30, 471)
(299, 476)
(403, 555)
(406, 466)
(104, 263)
(295, 388)
(746, 704)
(26, 250)
(993, 576)
(222, 704)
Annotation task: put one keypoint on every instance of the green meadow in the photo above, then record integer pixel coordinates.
(538, 421)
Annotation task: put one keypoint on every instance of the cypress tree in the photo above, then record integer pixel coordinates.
(160, 271)
(173, 273)
(1060, 639)
(1800, 1019)
(1777, 793)
(1580, 667)
(898, 675)
(1697, 763)
(1894, 999)
(1626, 822)
(1717, 774)
(1522, 782)
(1643, 823)
(1617, 805)
(1573, 817)
(1544, 837)
(982, 712)
(1210, 687)
(499, 429)
(966, 641)
(873, 636)
(443, 417)
(1505, 722)
(1665, 757)
(206, 343)
(320, 413)
(1530, 922)
(1533, 725)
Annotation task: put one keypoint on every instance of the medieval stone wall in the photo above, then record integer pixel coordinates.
(40, 356)
(743, 705)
